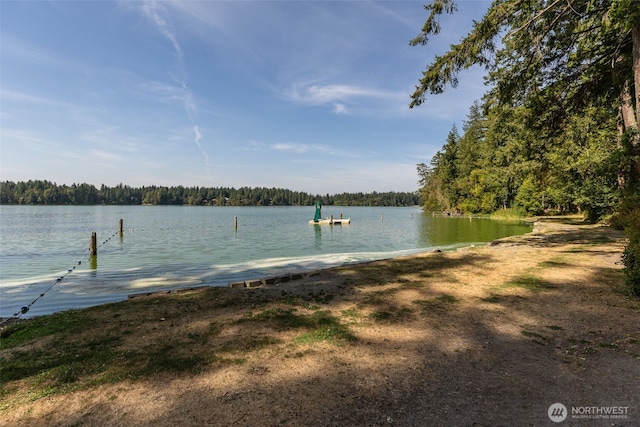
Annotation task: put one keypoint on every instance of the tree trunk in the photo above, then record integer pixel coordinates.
(635, 40)
(626, 108)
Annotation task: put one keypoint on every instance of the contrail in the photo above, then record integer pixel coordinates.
(152, 9)
(154, 12)
(198, 135)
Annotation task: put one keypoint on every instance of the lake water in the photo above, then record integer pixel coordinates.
(171, 247)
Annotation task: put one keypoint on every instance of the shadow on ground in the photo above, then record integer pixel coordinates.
(487, 337)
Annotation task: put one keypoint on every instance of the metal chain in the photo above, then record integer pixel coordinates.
(25, 308)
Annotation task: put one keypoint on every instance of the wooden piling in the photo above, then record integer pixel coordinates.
(235, 222)
(331, 220)
(93, 244)
(121, 227)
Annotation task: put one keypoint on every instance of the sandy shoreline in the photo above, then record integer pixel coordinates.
(489, 335)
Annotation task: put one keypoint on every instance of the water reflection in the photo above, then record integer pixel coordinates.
(93, 264)
(318, 235)
(440, 231)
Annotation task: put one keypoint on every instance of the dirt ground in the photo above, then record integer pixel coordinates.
(484, 336)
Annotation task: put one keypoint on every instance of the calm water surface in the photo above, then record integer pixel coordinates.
(168, 247)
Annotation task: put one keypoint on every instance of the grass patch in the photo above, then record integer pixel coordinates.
(202, 337)
(352, 316)
(292, 300)
(376, 298)
(351, 313)
(381, 316)
(529, 282)
(63, 360)
(493, 299)
(392, 314)
(73, 350)
(447, 299)
(326, 333)
(321, 325)
(443, 302)
(280, 318)
(554, 262)
(326, 328)
(289, 299)
(413, 284)
(250, 344)
(166, 360)
(575, 250)
(67, 322)
(321, 297)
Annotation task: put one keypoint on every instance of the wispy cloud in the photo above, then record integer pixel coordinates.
(204, 13)
(26, 98)
(156, 13)
(342, 98)
(300, 148)
(16, 47)
(198, 137)
(326, 94)
(37, 142)
(160, 88)
(105, 156)
(340, 109)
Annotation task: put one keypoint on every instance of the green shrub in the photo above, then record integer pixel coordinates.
(631, 255)
(631, 260)
(509, 213)
(529, 197)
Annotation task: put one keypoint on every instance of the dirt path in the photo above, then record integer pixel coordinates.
(484, 336)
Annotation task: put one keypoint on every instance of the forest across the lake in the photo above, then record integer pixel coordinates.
(43, 192)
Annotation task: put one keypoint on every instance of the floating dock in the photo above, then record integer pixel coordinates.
(317, 219)
(331, 221)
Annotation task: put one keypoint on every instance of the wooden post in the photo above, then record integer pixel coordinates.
(235, 222)
(120, 229)
(93, 244)
(340, 216)
(331, 220)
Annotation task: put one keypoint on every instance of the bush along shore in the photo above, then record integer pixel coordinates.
(491, 335)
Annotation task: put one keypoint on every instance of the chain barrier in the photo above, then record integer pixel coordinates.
(25, 308)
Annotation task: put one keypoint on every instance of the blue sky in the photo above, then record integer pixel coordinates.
(309, 96)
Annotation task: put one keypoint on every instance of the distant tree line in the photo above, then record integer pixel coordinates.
(42, 192)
